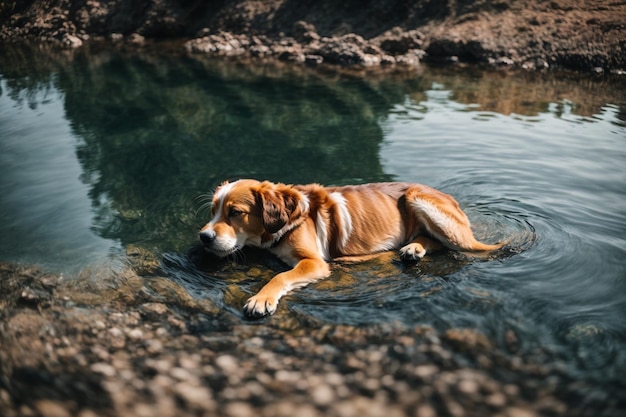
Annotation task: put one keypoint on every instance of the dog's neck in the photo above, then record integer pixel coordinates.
(272, 240)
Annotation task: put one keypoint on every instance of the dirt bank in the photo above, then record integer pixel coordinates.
(534, 34)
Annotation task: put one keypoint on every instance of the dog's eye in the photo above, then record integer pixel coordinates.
(233, 212)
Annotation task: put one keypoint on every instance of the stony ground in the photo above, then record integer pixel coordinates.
(130, 345)
(533, 34)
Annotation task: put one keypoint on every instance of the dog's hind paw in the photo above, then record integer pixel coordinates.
(412, 252)
(259, 306)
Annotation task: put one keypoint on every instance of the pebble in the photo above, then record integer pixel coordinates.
(425, 410)
(180, 374)
(103, 368)
(335, 379)
(135, 334)
(239, 409)
(48, 408)
(154, 346)
(143, 410)
(426, 371)
(468, 387)
(285, 376)
(519, 412)
(454, 409)
(227, 363)
(496, 400)
(160, 365)
(116, 338)
(196, 396)
(190, 362)
(87, 413)
(153, 311)
(322, 395)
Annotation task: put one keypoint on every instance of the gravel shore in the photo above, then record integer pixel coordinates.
(130, 345)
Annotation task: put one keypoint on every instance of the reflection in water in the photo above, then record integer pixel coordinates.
(181, 127)
(157, 130)
(45, 215)
(536, 159)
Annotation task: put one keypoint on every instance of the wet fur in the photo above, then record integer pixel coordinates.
(308, 225)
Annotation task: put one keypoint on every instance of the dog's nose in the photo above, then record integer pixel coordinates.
(207, 237)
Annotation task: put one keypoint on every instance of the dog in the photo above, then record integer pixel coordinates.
(307, 226)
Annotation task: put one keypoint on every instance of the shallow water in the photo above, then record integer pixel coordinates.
(101, 150)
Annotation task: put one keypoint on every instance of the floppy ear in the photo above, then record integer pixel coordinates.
(278, 206)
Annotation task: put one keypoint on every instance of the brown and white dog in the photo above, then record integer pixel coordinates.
(308, 225)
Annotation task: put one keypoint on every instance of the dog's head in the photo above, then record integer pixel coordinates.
(249, 212)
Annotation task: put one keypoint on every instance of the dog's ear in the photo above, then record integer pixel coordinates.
(279, 205)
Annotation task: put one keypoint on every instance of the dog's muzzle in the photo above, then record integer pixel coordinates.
(207, 237)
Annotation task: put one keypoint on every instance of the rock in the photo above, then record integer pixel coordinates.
(116, 338)
(87, 413)
(135, 334)
(399, 42)
(116, 37)
(412, 58)
(239, 409)
(502, 61)
(425, 410)
(468, 386)
(195, 396)
(30, 296)
(227, 363)
(425, 372)
(322, 395)
(345, 50)
(260, 51)
(48, 408)
(519, 412)
(71, 41)
(311, 59)
(142, 261)
(222, 43)
(290, 54)
(103, 368)
(304, 32)
(153, 311)
(497, 400)
(468, 339)
(135, 39)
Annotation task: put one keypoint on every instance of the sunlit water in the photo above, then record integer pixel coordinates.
(99, 151)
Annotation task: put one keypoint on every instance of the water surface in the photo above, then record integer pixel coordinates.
(104, 150)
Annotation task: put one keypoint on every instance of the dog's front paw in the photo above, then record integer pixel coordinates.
(260, 306)
(412, 252)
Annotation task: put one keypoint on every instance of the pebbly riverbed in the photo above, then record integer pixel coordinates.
(136, 343)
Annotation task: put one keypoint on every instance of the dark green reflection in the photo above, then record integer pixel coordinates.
(158, 130)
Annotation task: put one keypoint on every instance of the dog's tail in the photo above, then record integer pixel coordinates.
(476, 246)
(443, 219)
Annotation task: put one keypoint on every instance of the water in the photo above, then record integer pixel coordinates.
(101, 150)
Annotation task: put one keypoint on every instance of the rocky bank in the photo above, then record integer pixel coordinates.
(533, 34)
(126, 344)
